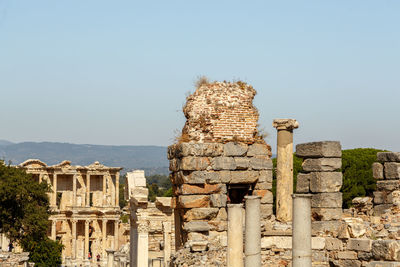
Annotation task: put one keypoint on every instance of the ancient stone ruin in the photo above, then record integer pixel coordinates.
(84, 203)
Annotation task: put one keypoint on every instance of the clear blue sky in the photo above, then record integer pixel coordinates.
(117, 72)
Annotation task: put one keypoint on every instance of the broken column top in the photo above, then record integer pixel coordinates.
(285, 124)
(221, 112)
(328, 149)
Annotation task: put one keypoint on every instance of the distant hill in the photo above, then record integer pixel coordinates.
(153, 159)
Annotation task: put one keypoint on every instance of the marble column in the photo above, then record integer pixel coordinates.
(86, 239)
(284, 168)
(167, 242)
(133, 235)
(116, 228)
(73, 238)
(252, 247)
(117, 189)
(74, 189)
(53, 229)
(104, 236)
(104, 189)
(235, 235)
(301, 239)
(54, 198)
(87, 190)
(143, 244)
(110, 257)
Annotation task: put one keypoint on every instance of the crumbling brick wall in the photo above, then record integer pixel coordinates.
(221, 112)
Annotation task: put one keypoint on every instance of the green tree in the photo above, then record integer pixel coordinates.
(357, 173)
(24, 215)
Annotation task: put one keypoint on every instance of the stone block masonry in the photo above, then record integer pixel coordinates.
(218, 160)
(321, 177)
(387, 173)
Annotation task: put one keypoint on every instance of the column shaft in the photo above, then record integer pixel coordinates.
(87, 190)
(86, 239)
(235, 235)
(301, 239)
(104, 237)
(117, 189)
(110, 257)
(104, 190)
(253, 232)
(74, 189)
(167, 242)
(53, 229)
(143, 244)
(116, 235)
(54, 198)
(284, 176)
(74, 239)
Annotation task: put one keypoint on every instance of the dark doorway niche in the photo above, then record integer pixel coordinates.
(237, 192)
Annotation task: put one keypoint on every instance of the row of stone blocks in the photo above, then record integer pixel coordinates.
(202, 174)
(322, 178)
(387, 173)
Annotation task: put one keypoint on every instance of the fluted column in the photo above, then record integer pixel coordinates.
(284, 168)
(74, 189)
(104, 189)
(54, 198)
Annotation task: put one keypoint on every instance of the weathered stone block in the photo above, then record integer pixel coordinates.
(242, 163)
(243, 177)
(196, 177)
(234, 149)
(258, 150)
(381, 209)
(377, 170)
(219, 226)
(223, 163)
(265, 176)
(173, 165)
(388, 156)
(333, 243)
(201, 149)
(386, 250)
(282, 242)
(382, 264)
(359, 244)
(263, 186)
(382, 197)
(196, 226)
(266, 196)
(218, 200)
(303, 183)
(326, 214)
(322, 164)
(345, 263)
(204, 189)
(266, 211)
(327, 228)
(329, 149)
(387, 185)
(392, 170)
(261, 163)
(325, 181)
(365, 256)
(327, 200)
(194, 163)
(317, 243)
(194, 201)
(347, 255)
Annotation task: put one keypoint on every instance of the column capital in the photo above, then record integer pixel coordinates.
(143, 226)
(87, 221)
(54, 221)
(285, 124)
